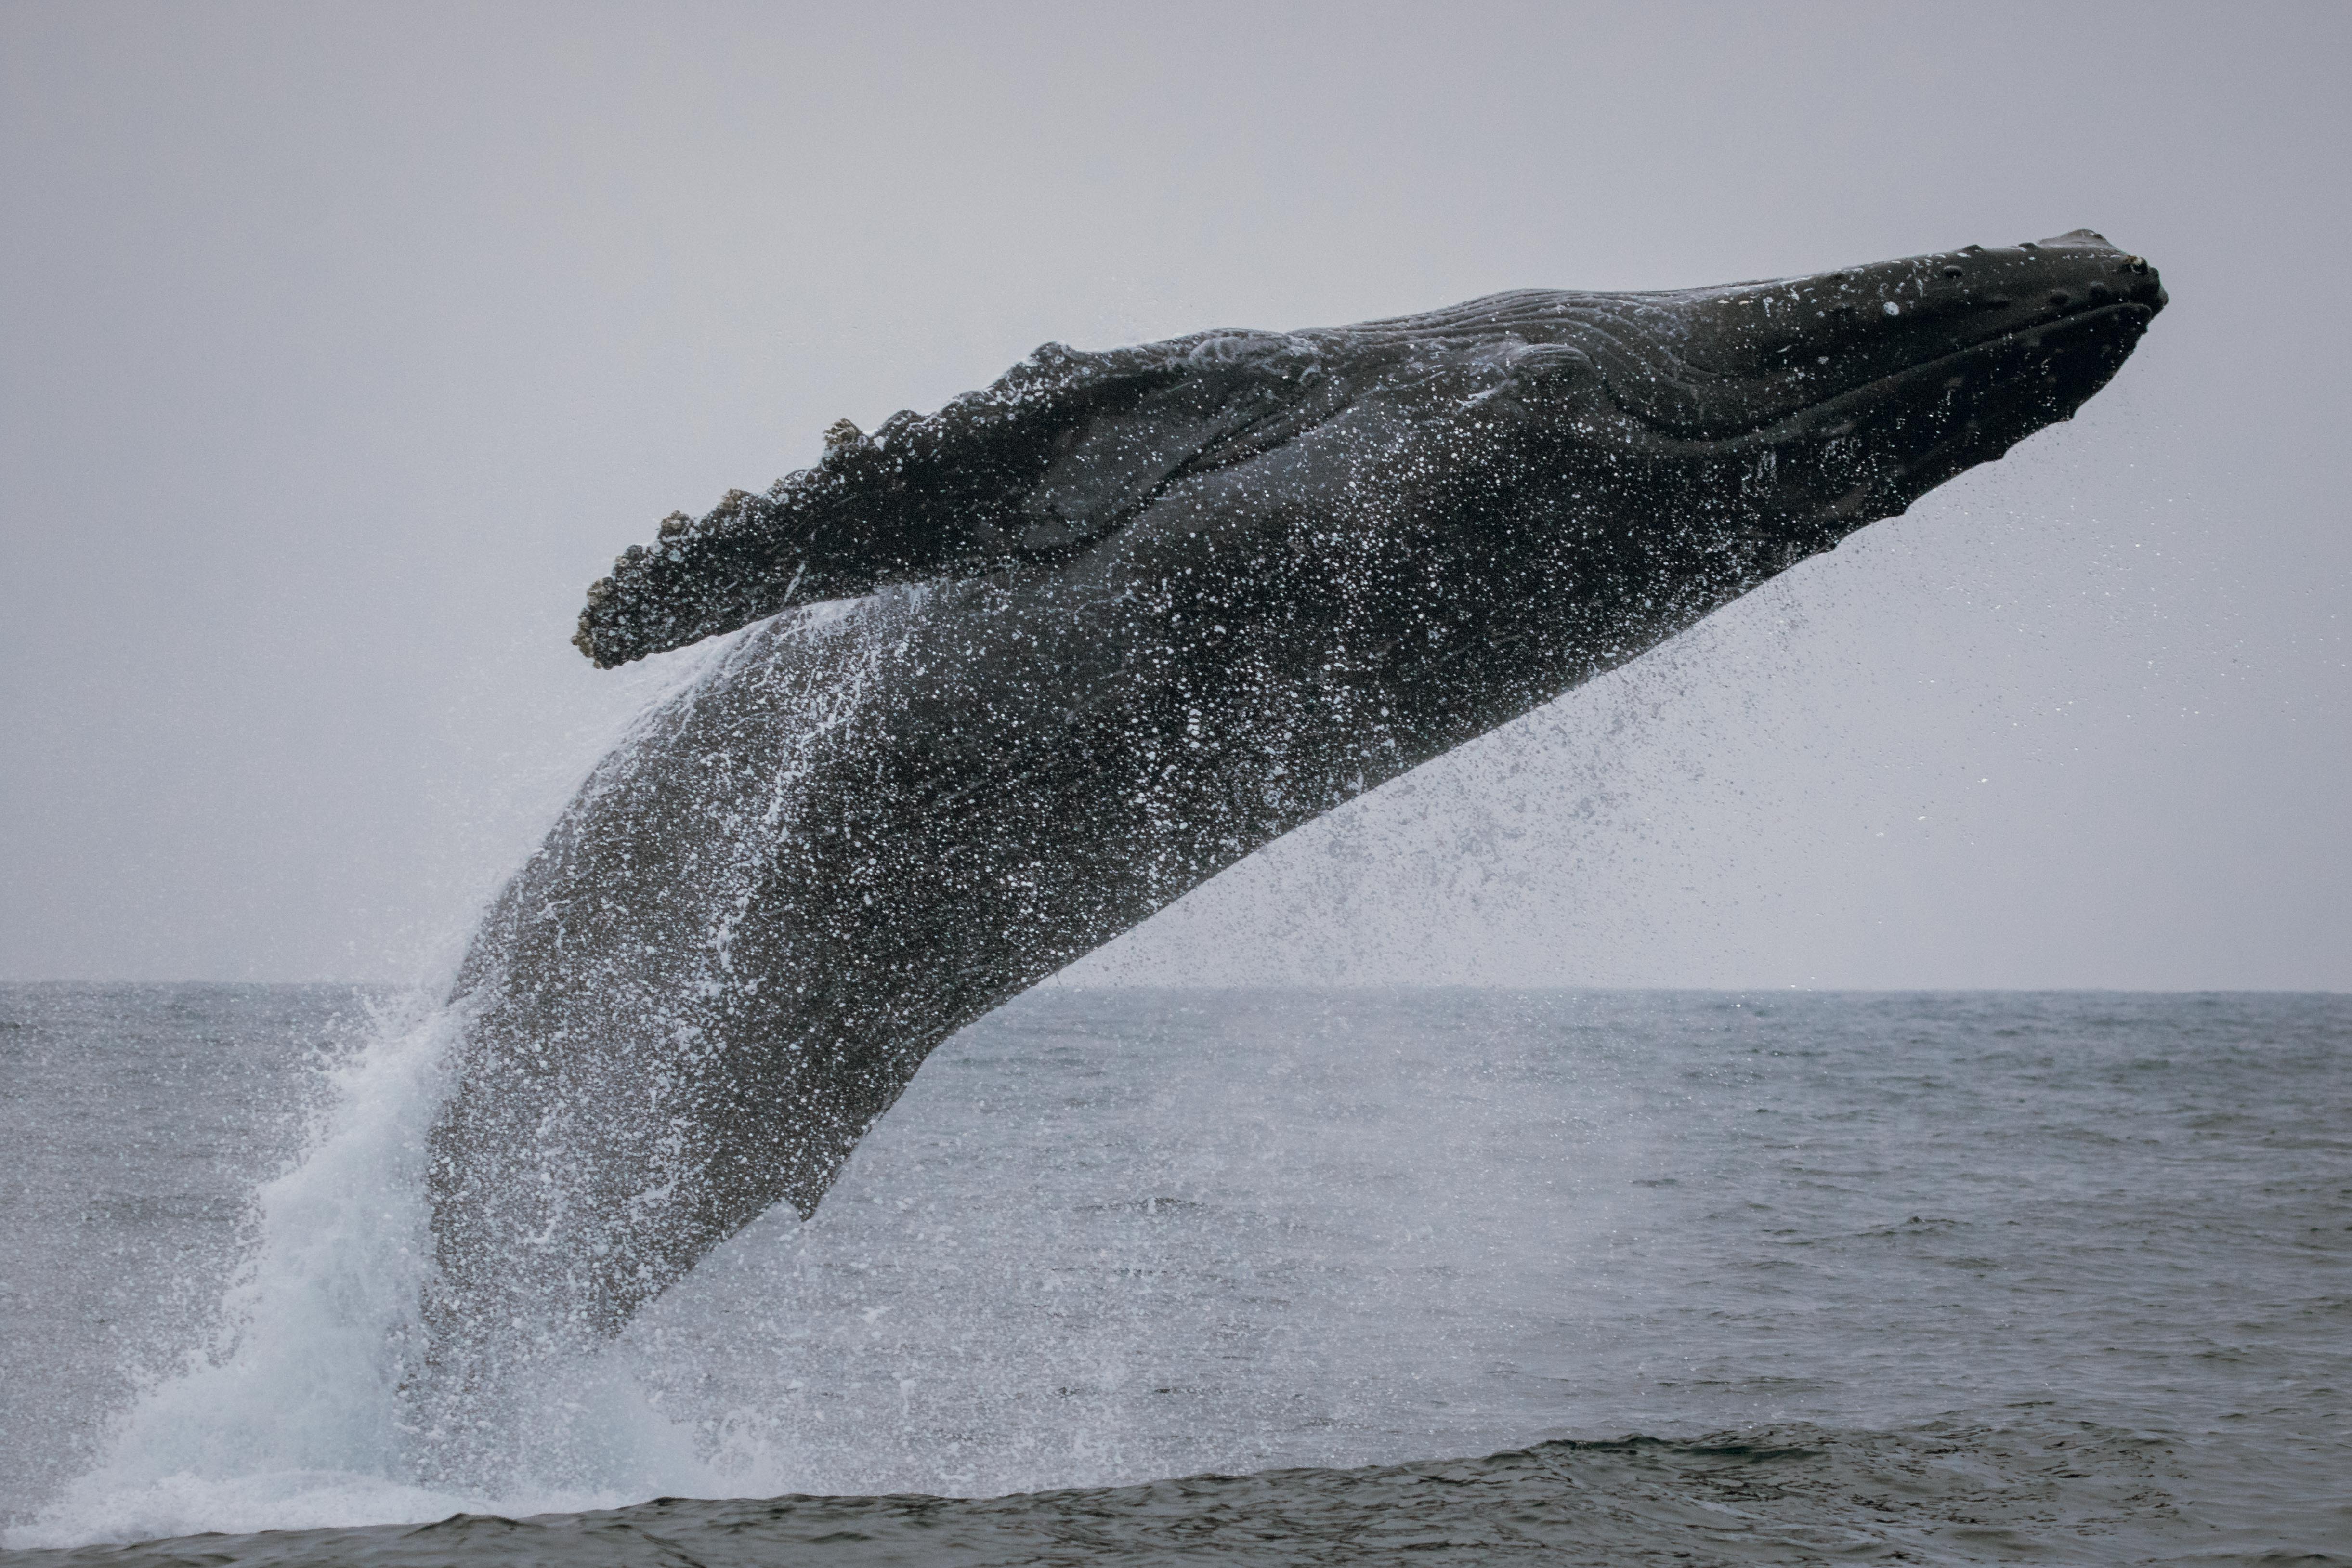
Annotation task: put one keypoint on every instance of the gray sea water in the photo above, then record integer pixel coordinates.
(1294, 1276)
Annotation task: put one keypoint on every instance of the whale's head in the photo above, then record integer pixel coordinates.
(1824, 402)
(1762, 421)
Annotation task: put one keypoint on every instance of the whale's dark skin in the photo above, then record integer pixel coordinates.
(1128, 617)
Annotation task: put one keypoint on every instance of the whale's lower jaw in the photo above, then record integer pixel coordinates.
(1966, 408)
(862, 829)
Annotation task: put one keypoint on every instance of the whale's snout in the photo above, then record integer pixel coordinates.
(1740, 358)
(2104, 273)
(2042, 282)
(2049, 320)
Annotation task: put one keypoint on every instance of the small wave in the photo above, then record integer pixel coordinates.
(2068, 1493)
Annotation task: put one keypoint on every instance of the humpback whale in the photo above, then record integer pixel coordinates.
(1023, 671)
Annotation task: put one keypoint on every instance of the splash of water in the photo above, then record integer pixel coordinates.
(309, 1402)
(300, 1410)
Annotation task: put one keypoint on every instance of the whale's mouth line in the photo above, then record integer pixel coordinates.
(1792, 422)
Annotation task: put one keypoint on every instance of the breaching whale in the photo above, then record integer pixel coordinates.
(1027, 669)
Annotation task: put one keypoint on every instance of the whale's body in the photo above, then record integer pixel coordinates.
(1125, 618)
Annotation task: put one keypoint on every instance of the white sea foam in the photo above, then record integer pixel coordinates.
(288, 1416)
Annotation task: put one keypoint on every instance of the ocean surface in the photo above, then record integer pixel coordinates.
(1250, 1277)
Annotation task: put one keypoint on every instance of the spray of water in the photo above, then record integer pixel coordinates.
(298, 1412)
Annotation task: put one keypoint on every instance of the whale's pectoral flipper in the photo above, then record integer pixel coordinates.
(1053, 455)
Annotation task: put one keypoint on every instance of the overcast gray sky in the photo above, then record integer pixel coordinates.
(345, 344)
